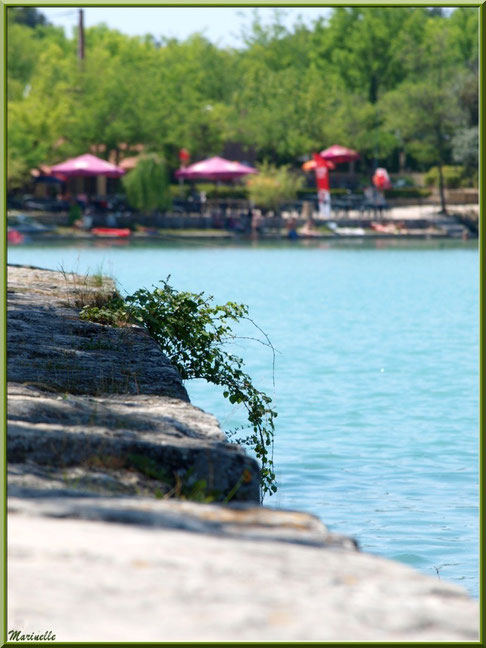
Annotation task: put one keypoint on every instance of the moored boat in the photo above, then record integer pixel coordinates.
(117, 232)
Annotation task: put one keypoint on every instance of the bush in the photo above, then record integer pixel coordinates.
(408, 192)
(74, 214)
(147, 185)
(212, 191)
(222, 192)
(180, 191)
(453, 177)
(273, 186)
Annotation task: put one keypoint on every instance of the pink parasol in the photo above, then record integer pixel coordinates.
(215, 168)
(87, 165)
(339, 154)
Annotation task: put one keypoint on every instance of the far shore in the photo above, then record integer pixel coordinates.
(419, 222)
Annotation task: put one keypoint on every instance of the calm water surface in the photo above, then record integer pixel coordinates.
(376, 378)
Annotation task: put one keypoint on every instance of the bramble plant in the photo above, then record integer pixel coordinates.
(192, 332)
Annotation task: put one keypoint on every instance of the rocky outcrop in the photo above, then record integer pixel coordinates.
(110, 533)
(100, 410)
(49, 347)
(122, 444)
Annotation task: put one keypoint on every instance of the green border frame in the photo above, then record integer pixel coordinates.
(3, 246)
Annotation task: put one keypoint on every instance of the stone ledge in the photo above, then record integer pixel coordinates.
(123, 444)
(91, 581)
(238, 520)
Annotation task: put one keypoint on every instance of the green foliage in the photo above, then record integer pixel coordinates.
(112, 313)
(464, 30)
(147, 185)
(29, 16)
(17, 171)
(180, 191)
(273, 186)
(214, 191)
(363, 45)
(193, 332)
(407, 192)
(453, 177)
(465, 147)
(288, 92)
(22, 55)
(74, 214)
(426, 115)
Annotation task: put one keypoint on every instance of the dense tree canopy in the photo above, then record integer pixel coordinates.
(29, 16)
(381, 80)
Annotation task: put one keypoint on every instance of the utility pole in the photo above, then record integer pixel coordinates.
(81, 35)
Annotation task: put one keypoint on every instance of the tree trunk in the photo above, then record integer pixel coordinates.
(440, 161)
(443, 207)
(373, 89)
(402, 158)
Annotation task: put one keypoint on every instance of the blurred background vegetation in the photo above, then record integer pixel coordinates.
(399, 85)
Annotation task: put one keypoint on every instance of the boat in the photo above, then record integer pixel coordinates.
(114, 232)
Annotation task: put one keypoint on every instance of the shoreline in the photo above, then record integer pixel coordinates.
(413, 223)
(230, 236)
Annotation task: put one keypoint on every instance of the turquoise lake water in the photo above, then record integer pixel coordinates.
(376, 378)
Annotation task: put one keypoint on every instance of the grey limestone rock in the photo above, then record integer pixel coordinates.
(91, 581)
(101, 410)
(233, 520)
(101, 439)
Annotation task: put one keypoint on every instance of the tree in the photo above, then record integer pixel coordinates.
(39, 120)
(465, 148)
(427, 111)
(286, 93)
(464, 41)
(28, 16)
(24, 48)
(427, 115)
(274, 44)
(22, 54)
(147, 185)
(185, 102)
(107, 92)
(361, 44)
